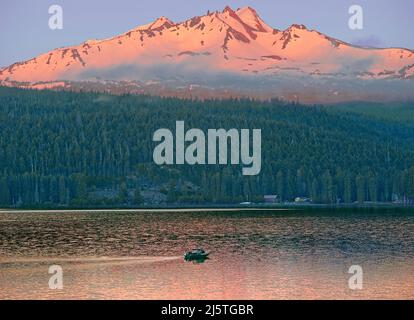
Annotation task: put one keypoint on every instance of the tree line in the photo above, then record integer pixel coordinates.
(92, 149)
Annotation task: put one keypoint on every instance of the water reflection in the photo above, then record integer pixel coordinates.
(256, 255)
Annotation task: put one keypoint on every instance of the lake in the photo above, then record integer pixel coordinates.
(255, 254)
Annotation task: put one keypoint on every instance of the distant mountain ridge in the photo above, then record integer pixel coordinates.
(231, 42)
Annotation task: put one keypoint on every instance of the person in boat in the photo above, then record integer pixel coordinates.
(195, 254)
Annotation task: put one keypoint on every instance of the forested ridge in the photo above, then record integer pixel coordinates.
(92, 149)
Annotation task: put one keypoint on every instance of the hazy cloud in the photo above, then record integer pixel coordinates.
(369, 41)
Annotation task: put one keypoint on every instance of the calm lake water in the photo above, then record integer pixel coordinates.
(254, 254)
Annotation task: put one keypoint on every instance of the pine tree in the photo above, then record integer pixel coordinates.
(138, 198)
(62, 190)
(347, 189)
(327, 187)
(280, 185)
(373, 188)
(123, 193)
(4, 192)
(360, 186)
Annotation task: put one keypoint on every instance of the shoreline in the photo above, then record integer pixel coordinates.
(189, 209)
(143, 210)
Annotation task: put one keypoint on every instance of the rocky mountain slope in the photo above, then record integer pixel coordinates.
(219, 46)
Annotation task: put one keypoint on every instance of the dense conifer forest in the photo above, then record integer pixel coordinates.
(94, 149)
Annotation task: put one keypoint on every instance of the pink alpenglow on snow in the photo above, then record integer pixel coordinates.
(232, 41)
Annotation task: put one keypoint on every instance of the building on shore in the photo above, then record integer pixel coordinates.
(271, 198)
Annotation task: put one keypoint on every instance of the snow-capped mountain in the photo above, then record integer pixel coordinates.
(231, 42)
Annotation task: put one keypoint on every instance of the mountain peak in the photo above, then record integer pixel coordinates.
(250, 17)
(247, 9)
(228, 9)
(161, 22)
(234, 41)
(298, 26)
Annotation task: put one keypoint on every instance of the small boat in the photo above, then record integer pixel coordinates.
(196, 254)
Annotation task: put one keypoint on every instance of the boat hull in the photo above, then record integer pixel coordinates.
(195, 256)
